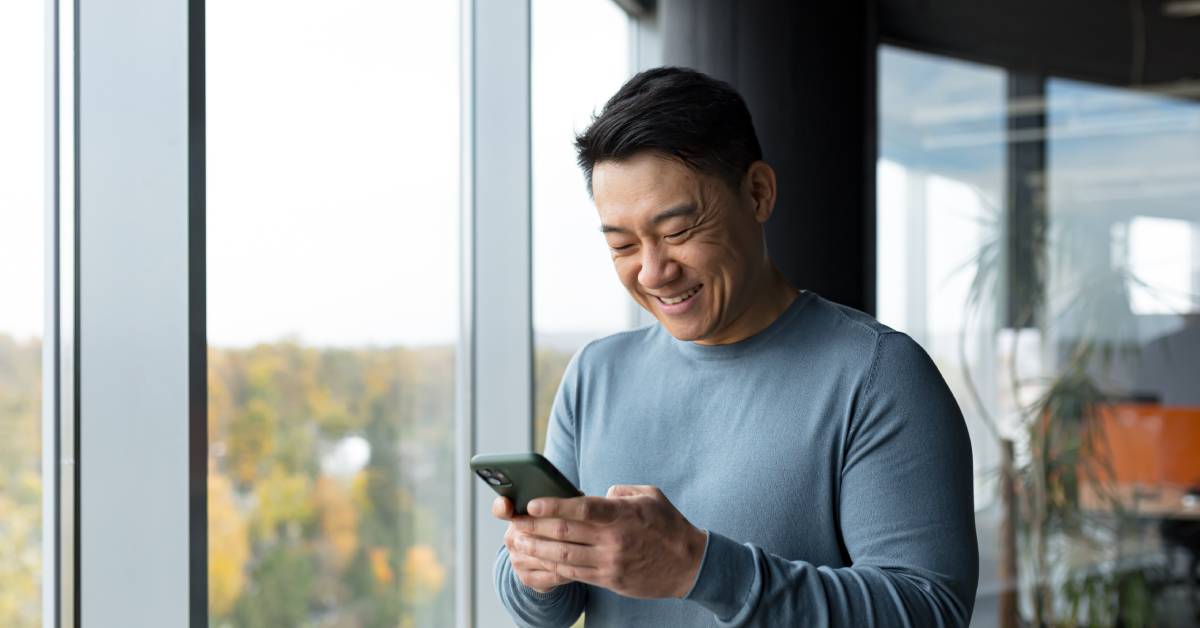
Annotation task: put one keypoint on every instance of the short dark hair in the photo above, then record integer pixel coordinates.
(685, 114)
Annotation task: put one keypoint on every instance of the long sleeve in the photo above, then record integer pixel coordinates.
(905, 513)
(562, 605)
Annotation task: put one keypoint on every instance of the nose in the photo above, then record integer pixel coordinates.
(658, 269)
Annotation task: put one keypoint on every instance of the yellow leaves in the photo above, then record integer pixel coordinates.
(228, 546)
(21, 552)
(252, 439)
(378, 557)
(424, 575)
(338, 518)
(328, 412)
(282, 502)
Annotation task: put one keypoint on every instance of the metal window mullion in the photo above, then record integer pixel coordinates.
(499, 275)
(464, 417)
(59, 186)
(60, 499)
(132, 316)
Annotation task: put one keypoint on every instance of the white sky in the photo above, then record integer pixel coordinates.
(333, 170)
(575, 70)
(22, 152)
(333, 146)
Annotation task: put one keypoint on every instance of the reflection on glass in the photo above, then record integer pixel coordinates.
(576, 295)
(1041, 238)
(22, 215)
(332, 294)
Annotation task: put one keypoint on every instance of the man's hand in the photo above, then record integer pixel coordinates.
(533, 572)
(633, 542)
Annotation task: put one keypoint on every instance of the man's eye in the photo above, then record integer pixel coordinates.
(623, 247)
(678, 234)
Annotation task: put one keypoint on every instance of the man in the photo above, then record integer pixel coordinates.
(767, 458)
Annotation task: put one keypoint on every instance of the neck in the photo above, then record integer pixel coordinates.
(772, 297)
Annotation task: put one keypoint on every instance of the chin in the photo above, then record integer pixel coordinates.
(682, 332)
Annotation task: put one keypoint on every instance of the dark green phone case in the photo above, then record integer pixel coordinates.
(530, 476)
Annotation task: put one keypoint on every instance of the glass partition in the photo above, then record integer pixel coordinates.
(1041, 238)
(22, 281)
(333, 254)
(576, 294)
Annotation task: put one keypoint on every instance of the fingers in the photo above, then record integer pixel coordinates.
(535, 574)
(591, 509)
(557, 552)
(502, 508)
(568, 530)
(541, 581)
(542, 576)
(524, 562)
(632, 490)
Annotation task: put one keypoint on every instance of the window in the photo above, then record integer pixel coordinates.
(333, 231)
(576, 294)
(22, 281)
(1039, 237)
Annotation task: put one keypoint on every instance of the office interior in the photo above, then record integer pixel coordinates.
(273, 272)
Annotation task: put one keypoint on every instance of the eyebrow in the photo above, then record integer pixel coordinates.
(659, 218)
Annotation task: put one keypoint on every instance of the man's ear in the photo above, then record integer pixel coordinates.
(759, 186)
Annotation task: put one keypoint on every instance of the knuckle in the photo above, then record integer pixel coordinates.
(562, 529)
(525, 577)
(587, 510)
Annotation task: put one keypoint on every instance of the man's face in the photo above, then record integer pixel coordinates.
(686, 246)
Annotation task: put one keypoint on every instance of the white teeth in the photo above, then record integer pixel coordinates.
(681, 298)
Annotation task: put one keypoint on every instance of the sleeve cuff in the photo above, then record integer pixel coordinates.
(727, 575)
(534, 594)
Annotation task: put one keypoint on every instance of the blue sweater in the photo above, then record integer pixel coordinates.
(825, 457)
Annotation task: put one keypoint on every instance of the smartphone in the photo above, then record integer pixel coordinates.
(522, 477)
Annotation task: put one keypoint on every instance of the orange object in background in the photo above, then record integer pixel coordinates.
(1151, 444)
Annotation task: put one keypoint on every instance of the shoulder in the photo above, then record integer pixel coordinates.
(838, 334)
(862, 353)
(610, 353)
(615, 347)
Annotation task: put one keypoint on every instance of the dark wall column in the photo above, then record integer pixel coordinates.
(807, 72)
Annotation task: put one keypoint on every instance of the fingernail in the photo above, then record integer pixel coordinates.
(535, 507)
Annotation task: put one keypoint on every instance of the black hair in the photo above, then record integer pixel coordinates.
(683, 113)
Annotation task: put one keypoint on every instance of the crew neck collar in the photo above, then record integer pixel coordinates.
(742, 347)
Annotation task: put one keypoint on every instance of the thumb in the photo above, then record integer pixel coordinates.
(630, 490)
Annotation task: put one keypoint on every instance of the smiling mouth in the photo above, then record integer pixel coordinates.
(681, 298)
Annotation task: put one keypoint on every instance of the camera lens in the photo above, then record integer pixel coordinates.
(487, 473)
(494, 482)
(503, 478)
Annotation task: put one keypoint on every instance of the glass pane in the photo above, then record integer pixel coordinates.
(1040, 237)
(333, 204)
(576, 294)
(22, 237)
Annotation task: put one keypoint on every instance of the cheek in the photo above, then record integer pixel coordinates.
(626, 271)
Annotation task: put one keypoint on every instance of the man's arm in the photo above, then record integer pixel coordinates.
(562, 605)
(906, 513)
